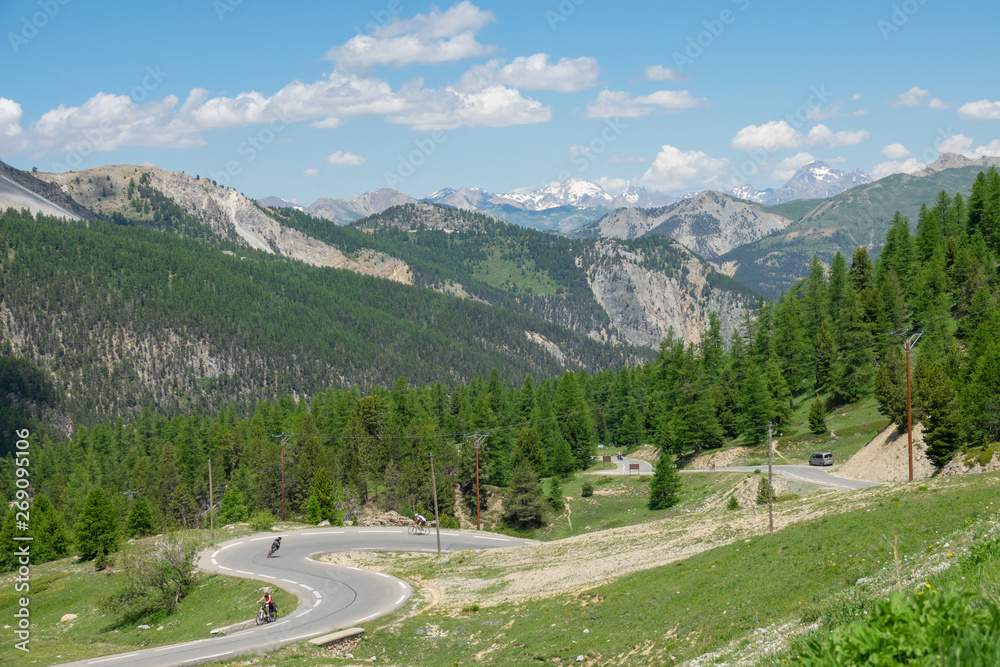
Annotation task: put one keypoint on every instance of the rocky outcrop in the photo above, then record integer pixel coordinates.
(226, 212)
(710, 223)
(644, 304)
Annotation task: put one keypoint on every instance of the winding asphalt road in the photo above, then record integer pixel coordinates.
(330, 596)
(811, 474)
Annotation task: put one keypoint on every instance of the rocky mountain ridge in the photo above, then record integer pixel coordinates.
(710, 223)
(105, 190)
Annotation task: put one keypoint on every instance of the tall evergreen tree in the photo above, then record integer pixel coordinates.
(140, 519)
(524, 508)
(942, 414)
(825, 350)
(665, 487)
(97, 527)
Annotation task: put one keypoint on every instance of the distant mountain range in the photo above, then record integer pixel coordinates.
(569, 205)
(815, 180)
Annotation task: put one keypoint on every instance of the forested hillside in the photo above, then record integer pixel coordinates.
(123, 317)
(832, 340)
(549, 276)
(860, 216)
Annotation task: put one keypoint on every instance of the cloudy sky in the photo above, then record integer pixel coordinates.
(320, 98)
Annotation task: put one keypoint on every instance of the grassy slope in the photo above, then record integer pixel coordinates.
(64, 587)
(709, 600)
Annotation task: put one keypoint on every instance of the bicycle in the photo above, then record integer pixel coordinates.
(271, 551)
(417, 529)
(266, 614)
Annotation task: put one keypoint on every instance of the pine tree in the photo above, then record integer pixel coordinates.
(555, 496)
(756, 409)
(855, 371)
(322, 503)
(942, 414)
(232, 508)
(523, 508)
(97, 526)
(817, 417)
(140, 518)
(765, 491)
(825, 350)
(183, 511)
(529, 448)
(890, 386)
(51, 537)
(574, 420)
(665, 487)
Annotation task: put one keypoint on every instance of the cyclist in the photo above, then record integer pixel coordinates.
(275, 546)
(420, 521)
(266, 599)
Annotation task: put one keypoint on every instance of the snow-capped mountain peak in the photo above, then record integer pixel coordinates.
(812, 181)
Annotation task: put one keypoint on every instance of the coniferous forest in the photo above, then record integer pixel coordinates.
(834, 336)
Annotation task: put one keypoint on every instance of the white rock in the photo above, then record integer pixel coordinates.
(67, 618)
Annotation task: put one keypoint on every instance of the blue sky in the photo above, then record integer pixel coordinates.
(319, 98)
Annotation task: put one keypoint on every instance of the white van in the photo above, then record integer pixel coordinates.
(821, 459)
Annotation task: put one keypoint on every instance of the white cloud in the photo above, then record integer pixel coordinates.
(981, 110)
(661, 73)
(534, 72)
(821, 135)
(674, 169)
(671, 100)
(787, 167)
(771, 136)
(961, 144)
(345, 159)
(614, 104)
(619, 104)
(895, 151)
(914, 97)
(907, 166)
(496, 106)
(937, 103)
(309, 172)
(856, 96)
(622, 160)
(105, 122)
(613, 186)
(11, 140)
(436, 37)
(833, 111)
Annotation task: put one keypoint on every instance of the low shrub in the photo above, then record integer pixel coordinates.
(262, 521)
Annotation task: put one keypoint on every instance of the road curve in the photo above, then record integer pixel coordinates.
(645, 467)
(330, 596)
(811, 474)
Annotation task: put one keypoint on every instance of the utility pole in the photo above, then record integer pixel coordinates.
(211, 501)
(131, 494)
(770, 489)
(908, 345)
(284, 438)
(434, 489)
(477, 440)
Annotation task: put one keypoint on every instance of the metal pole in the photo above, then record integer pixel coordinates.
(477, 485)
(211, 500)
(909, 413)
(434, 488)
(477, 439)
(770, 489)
